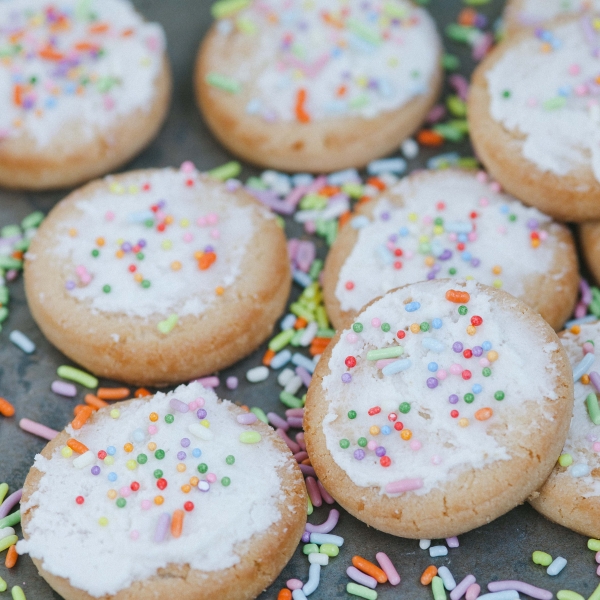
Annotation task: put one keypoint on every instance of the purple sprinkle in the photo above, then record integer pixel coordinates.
(477, 351)
(457, 347)
(126, 247)
(178, 405)
(533, 224)
(161, 527)
(63, 388)
(70, 285)
(432, 383)
(295, 422)
(201, 414)
(431, 275)
(359, 454)
(185, 442)
(306, 537)
(393, 238)
(380, 451)
(95, 470)
(475, 262)
(385, 216)
(209, 248)
(453, 399)
(445, 255)
(161, 203)
(141, 243)
(181, 455)
(346, 378)
(231, 383)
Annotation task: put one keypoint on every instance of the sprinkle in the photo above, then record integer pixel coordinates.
(6, 408)
(435, 551)
(113, 393)
(583, 366)
(38, 429)
(361, 591)
(63, 388)
(404, 485)
(223, 82)
(250, 437)
(437, 588)
(257, 374)
(557, 565)
(397, 366)
(505, 595)
(593, 408)
(21, 341)
(447, 578)
(84, 460)
(386, 564)
(77, 376)
(227, 8)
(459, 591)
(326, 538)
(370, 569)
(168, 324)
(520, 586)
(382, 353)
(201, 432)
(162, 526)
(314, 576)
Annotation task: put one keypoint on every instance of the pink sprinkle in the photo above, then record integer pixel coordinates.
(452, 237)
(588, 348)
(459, 591)
(295, 448)
(436, 114)
(277, 421)
(209, 382)
(109, 103)
(598, 570)
(495, 187)
(295, 422)
(326, 526)
(187, 237)
(596, 446)
(372, 445)
(586, 292)
(598, 557)
(441, 374)
(473, 592)
(212, 218)
(388, 568)
(520, 586)
(146, 504)
(201, 222)
(452, 542)
(211, 477)
(415, 445)
(456, 369)
(481, 177)
(325, 494)
(300, 456)
(574, 69)
(351, 338)
(247, 418)
(215, 234)
(384, 362)
(483, 46)
(199, 402)
(404, 485)
(375, 322)
(472, 236)
(313, 491)
(294, 584)
(580, 310)
(134, 535)
(581, 90)
(125, 491)
(543, 235)
(310, 227)
(37, 429)
(461, 86)
(110, 215)
(484, 202)
(300, 440)
(484, 362)
(294, 412)
(188, 166)
(152, 429)
(436, 459)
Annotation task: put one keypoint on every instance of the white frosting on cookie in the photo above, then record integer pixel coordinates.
(103, 559)
(140, 240)
(544, 89)
(534, 12)
(84, 62)
(510, 355)
(434, 235)
(349, 57)
(583, 443)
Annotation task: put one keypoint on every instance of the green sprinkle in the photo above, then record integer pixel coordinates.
(357, 327)
(499, 395)
(361, 591)
(11, 520)
(362, 442)
(169, 419)
(145, 284)
(344, 443)
(486, 372)
(227, 84)
(281, 340)
(230, 459)
(565, 460)
(121, 502)
(3, 314)
(95, 253)
(437, 588)
(506, 94)
(140, 256)
(225, 481)
(452, 271)
(8, 262)
(512, 218)
(17, 593)
(159, 454)
(310, 549)
(226, 171)
(593, 544)
(202, 468)
(168, 324)
(3, 491)
(142, 459)
(158, 474)
(227, 8)
(555, 103)
(593, 408)
(450, 62)
(424, 326)
(309, 506)
(106, 289)
(381, 353)
(385, 327)
(10, 231)
(541, 558)
(456, 106)
(352, 414)
(250, 437)
(404, 408)
(469, 398)
(463, 310)
(33, 220)
(290, 400)
(462, 33)
(7, 542)
(363, 31)
(78, 376)
(3, 586)
(260, 413)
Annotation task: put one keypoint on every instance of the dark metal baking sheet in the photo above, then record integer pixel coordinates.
(501, 550)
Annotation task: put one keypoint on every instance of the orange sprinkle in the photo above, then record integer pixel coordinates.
(364, 199)
(376, 182)
(284, 594)
(428, 137)
(85, 47)
(141, 393)
(113, 393)
(344, 218)
(576, 329)
(77, 409)
(11, 557)
(467, 17)
(341, 91)
(82, 416)
(98, 28)
(177, 523)
(457, 296)
(94, 401)
(428, 574)
(100, 241)
(6, 408)
(483, 414)
(153, 417)
(329, 190)
(18, 94)
(206, 260)
(128, 447)
(268, 357)
(219, 290)
(158, 500)
(406, 434)
(321, 341)
(585, 379)
(300, 323)
(49, 53)
(77, 446)
(362, 564)
(301, 113)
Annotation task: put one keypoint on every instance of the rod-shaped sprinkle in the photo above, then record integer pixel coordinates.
(361, 578)
(386, 564)
(593, 408)
(583, 366)
(11, 501)
(391, 352)
(314, 577)
(326, 526)
(397, 366)
(162, 526)
(403, 485)
(460, 590)
(520, 586)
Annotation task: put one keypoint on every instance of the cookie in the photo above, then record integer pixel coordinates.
(180, 495)
(534, 119)
(84, 87)
(317, 86)
(589, 234)
(451, 224)
(520, 14)
(571, 495)
(442, 407)
(157, 276)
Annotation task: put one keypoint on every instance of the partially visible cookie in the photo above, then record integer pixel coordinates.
(157, 276)
(571, 495)
(84, 87)
(442, 407)
(534, 118)
(320, 85)
(437, 224)
(589, 234)
(181, 495)
(520, 14)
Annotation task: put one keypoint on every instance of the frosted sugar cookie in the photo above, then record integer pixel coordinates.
(533, 13)
(319, 85)
(442, 407)
(157, 276)
(534, 114)
(84, 87)
(571, 495)
(180, 496)
(437, 224)
(590, 244)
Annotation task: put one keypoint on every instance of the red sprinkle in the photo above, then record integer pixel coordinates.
(80, 499)
(468, 353)
(350, 361)
(385, 461)
(374, 411)
(135, 486)
(161, 483)
(349, 285)
(401, 335)
(102, 455)
(398, 425)
(392, 417)
(476, 320)
(466, 374)
(189, 506)
(454, 414)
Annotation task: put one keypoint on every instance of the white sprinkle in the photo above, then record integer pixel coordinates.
(424, 544)
(449, 583)
(21, 341)
(284, 377)
(85, 460)
(558, 564)
(280, 359)
(410, 148)
(4, 533)
(317, 558)
(288, 322)
(386, 165)
(201, 432)
(309, 334)
(293, 385)
(397, 366)
(257, 374)
(438, 551)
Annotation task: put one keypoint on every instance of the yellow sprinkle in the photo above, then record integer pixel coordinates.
(158, 500)
(181, 467)
(112, 494)
(103, 521)
(463, 422)
(131, 465)
(116, 188)
(194, 481)
(73, 232)
(186, 489)
(67, 452)
(205, 423)
(374, 430)
(497, 283)
(166, 244)
(176, 265)
(133, 189)
(184, 222)
(471, 330)
(492, 355)
(151, 446)
(438, 229)
(415, 328)
(109, 460)
(138, 277)
(413, 217)
(219, 291)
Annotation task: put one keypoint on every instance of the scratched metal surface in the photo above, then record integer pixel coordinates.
(500, 550)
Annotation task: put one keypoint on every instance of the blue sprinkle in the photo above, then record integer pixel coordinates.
(432, 366)
(477, 388)
(412, 307)
(580, 470)
(486, 346)
(462, 237)
(404, 231)
(505, 209)
(386, 430)
(112, 476)
(436, 323)
(466, 256)
(196, 452)
(111, 450)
